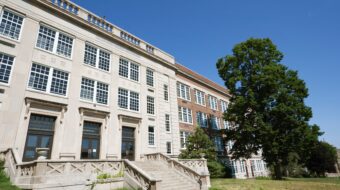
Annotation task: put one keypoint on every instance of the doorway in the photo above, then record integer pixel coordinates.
(128, 143)
(90, 146)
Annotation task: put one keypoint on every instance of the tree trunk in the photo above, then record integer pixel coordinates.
(278, 171)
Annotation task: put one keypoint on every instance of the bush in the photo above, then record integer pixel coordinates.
(216, 169)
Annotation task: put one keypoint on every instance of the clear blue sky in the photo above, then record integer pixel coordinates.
(197, 32)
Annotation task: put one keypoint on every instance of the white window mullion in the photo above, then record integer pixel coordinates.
(95, 92)
(55, 44)
(49, 80)
(128, 100)
(97, 58)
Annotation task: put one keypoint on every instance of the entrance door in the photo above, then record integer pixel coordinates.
(90, 145)
(128, 143)
(39, 135)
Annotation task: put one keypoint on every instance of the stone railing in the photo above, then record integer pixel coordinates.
(138, 178)
(202, 179)
(199, 165)
(80, 13)
(54, 173)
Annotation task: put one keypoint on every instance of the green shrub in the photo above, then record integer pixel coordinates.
(216, 169)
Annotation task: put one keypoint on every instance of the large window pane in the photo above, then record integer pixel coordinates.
(11, 24)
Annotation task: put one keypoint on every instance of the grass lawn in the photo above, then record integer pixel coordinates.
(5, 184)
(288, 184)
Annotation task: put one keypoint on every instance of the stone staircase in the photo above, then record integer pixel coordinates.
(170, 178)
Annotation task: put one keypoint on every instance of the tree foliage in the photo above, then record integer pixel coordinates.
(267, 104)
(199, 143)
(323, 159)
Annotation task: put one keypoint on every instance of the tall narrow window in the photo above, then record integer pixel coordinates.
(183, 91)
(218, 143)
(185, 115)
(150, 105)
(149, 77)
(94, 91)
(54, 41)
(97, 58)
(215, 122)
(6, 64)
(213, 102)
(226, 124)
(166, 92)
(184, 138)
(168, 148)
(90, 146)
(151, 132)
(167, 123)
(128, 99)
(224, 106)
(202, 119)
(11, 24)
(48, 79)
(200, 97)
(39, 135)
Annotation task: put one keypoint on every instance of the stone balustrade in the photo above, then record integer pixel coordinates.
(202, 179)
(102, 24)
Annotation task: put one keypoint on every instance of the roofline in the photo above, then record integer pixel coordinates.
(200, 81)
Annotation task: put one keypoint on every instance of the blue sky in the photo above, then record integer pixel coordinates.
(198, 32)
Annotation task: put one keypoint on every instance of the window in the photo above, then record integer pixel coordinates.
(252, 165)
(151, 132)
(48, 79)
(128, 69)
(150, 105)
(234, 166)
(184, 115)
(54, 41)
(218, 144)
(201, 119)
(229, 146)
(183, 91)
(11, 24)
(215, 122)
(243, 166)
(167, 123)
(97, 57)
(213, 102)
(168, 147)
(200, 97)
(39, 135)
(149, 77)
(184, 138)
(225, 124)
(94, 91)
(224, 106)
(166, 92)
(128, 99)
(90, 146)
(6, 64)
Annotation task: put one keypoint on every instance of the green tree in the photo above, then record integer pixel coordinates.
(199, 143)
(323, 159)
(267, 105)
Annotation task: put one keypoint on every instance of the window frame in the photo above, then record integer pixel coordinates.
(166, 144)
(94, 98)
(224, 105)
(150, 104)
(166, 92)
(153, 136)
(56, 40)
(17, 14)
(184, 135)
(211, 98)
(199, 119)
(181, 119)
(129, 69)
(202, 97)
(49, 81)
(151, 77)
(167, 123)
(98, 50)
(128, 100)
(186, 91)
(11, 72)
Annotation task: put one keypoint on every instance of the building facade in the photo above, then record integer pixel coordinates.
(78, 87)
(81, 87)
(201, 103)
